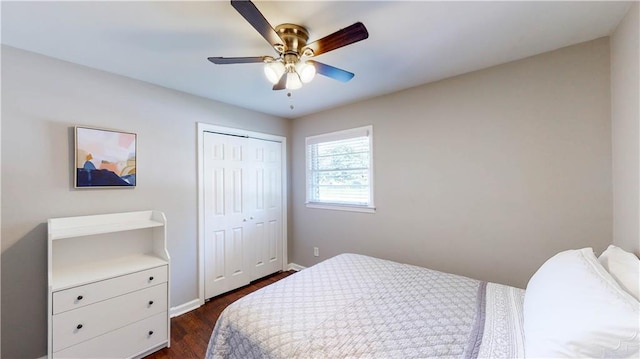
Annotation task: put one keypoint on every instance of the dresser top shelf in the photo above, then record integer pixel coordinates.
(60, 228)
(75, 275)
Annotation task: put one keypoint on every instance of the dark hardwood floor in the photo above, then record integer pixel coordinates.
(191, 331)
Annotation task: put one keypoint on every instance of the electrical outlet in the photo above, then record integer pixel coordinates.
(316, 251)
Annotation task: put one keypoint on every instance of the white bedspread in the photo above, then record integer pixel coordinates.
(354, 306)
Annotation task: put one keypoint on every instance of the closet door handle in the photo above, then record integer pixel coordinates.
(150, 332)
(79, 326)
(150, 302)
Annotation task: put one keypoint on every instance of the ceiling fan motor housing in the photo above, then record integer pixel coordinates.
(294, 37)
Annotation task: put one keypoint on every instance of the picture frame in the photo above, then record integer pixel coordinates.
(104, 158)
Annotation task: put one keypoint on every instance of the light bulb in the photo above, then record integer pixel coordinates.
(307, 71)
(293, 81)
(273, 71)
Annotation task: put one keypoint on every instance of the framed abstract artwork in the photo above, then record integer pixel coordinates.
(104, 158)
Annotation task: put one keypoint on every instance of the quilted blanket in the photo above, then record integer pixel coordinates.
(354, 306)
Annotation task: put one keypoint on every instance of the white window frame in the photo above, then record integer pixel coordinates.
(336, 136)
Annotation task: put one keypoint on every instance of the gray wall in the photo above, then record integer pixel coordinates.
(42, 99)
(625, 119)
(487, 174)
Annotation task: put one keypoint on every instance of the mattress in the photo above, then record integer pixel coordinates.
(355, 306)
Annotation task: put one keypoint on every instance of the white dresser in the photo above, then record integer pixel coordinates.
(108, 285)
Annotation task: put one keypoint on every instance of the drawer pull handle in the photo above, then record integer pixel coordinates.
(79, 326)
(150, 302)
(150, 278)
(80, 297)
(151, 332)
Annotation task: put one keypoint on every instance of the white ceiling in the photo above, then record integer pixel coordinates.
(409, 44)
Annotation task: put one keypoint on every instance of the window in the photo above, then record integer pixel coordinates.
(340, 170)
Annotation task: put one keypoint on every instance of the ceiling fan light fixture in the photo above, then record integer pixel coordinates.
(293, 81)
(274, 71)
(306, 71)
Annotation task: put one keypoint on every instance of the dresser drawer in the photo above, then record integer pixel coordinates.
(131, 340)
(75, 326)
(91, 293)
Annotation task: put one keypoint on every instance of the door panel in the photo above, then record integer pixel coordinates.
(236, 252)
(236, 191)
(259, 205)
(273, 240)
(218, 188)
(226, 266)
(258, 234)
(266, 206)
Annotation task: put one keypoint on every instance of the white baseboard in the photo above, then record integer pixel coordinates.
(183, 308)
(295, 267)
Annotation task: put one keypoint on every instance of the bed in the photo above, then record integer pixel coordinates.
(354, 306)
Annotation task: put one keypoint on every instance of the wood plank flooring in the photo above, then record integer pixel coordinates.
(191, 331)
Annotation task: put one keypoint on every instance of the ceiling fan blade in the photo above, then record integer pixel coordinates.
(282, 84)
(235, 60)
(251, 13)
(330, 71)
(338, 39)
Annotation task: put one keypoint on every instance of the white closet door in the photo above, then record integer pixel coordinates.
(226, 249)
(243, 211)
(264, 164)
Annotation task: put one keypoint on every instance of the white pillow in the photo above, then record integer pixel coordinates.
(624, 267)
(574, 308)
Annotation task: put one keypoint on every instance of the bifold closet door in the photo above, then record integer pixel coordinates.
(243, 211)
(264, 164)
(226, 257)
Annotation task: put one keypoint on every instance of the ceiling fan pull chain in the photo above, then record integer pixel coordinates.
(291, 105)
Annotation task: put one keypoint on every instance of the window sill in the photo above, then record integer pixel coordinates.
(342, 207)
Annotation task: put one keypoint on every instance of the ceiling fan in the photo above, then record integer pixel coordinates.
(292, 67)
